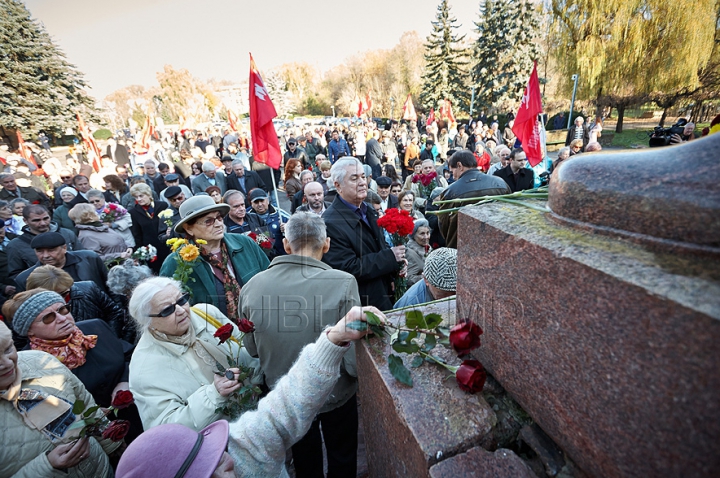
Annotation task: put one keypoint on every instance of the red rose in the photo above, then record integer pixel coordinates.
(246, 326)
(252, 235)
(266, 245)
(123, 399)
(416, 178)
(224, 333)
(465, 336)
(471, 376)
(117, 430)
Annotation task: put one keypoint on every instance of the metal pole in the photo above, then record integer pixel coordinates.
(472, 103)
(392, 109)
(572, 103)
(277, 200)
(333, 110)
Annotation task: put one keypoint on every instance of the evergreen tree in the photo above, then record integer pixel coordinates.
(504, 52)
(445, 76)
(39, 89)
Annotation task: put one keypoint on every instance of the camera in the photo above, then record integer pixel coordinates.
(661, 136)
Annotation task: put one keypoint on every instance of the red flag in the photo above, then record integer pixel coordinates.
(25, 150)
(409, 110)
(358, 102)
(449, 113)
(526, 126)
(148, 132)
(431, 116)
(232, 119)
(368, 102)
(266, 147)
(90, 144)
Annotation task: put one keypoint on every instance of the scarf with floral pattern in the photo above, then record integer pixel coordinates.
(70, 350)
(230, 282)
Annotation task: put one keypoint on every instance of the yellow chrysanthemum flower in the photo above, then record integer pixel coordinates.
(201, 241)
(189, 253)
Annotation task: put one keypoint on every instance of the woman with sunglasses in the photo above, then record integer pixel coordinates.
(225, 261)
(89, 348)
(173, 370)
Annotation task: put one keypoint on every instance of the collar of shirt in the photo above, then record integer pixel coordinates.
(361, 211)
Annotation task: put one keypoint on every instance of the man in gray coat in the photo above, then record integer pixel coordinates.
(284, 323)
(209, 177)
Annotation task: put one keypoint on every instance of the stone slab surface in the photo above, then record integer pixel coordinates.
(409, 429)
(480, 463)
(612, 349)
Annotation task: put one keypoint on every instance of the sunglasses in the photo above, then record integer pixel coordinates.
(50, 318)
(170, 309)
(65, 177)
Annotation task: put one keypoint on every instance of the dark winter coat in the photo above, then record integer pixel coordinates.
(90, 302)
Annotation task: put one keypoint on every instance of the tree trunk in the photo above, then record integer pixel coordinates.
(620, 115)
(610, 108)
(662, 118)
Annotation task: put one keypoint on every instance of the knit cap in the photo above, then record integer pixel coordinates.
(31, 308)
(441, 268)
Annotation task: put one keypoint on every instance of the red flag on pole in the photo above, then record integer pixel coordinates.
(266, 147)
(24, 150)
(232, 119)
(148, 132)
(90, 144)
(448, 112)
(431, 117)
(368, 102)
(409, 110)
(526, 126)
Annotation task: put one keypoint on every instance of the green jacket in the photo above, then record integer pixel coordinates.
(247, 260)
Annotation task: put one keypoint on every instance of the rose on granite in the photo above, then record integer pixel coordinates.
(471, 376)
(465, 336)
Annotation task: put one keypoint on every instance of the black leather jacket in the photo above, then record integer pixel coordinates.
(88, 301)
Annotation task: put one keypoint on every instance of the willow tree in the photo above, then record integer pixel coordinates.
(445, 75)
(626, 50)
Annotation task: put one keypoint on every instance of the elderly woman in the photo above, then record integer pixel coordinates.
(96, 236)
(145, 222)
(418, 247)
(128, 200)
(89, 349)
(113, 214)
(293, 168)
(172, 372)
(114, 188)
(258, 440)
(416, 169)
(406, 202)
(88, 300)
(35, 441)
(576, 147)
(122, 279)
(225, 262)
(60, 214)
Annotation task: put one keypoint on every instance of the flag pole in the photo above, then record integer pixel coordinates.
(277, 199)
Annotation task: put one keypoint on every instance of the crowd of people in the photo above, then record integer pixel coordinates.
(91, 274)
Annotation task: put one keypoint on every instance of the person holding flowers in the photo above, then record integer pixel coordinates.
(423, 184)
(112, 214)
(145, 223)
(36, 397)
(96, 236)
(180, 371)
(211, 264)
(90, 349)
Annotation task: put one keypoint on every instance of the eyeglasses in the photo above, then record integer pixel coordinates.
(65, 177)
(50, 318)
(170, 309)
(209, 222)
(96, 201)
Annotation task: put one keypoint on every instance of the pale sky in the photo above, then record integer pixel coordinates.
(120, 43)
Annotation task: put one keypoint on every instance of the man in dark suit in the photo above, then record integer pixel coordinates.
(118, 152)
(374, 154)
(357, 245)
(51, 249)
(244, 180)
(515, 174)
(389, 201)
(10, 190)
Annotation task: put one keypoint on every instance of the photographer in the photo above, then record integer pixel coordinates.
(688, 134)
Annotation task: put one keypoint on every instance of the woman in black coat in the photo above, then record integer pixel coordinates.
(145, 223)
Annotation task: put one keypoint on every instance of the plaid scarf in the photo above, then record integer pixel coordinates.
(230, 282)
(70, 350)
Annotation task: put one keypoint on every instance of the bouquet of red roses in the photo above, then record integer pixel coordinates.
(428, 182)
(399, 224)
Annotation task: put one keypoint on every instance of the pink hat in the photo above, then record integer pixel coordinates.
(173, 450)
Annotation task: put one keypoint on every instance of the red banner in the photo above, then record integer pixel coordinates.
(25, 151)
(431, 116)
(93, 151)
(266, 147)
(233, 120)
(526, 126)
(148, 132)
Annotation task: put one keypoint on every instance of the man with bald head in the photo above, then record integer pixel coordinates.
(315, 198)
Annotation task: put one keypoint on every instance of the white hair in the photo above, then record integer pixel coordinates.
(339, 169)
(142, 297)
(305, 230)
(208, 166)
